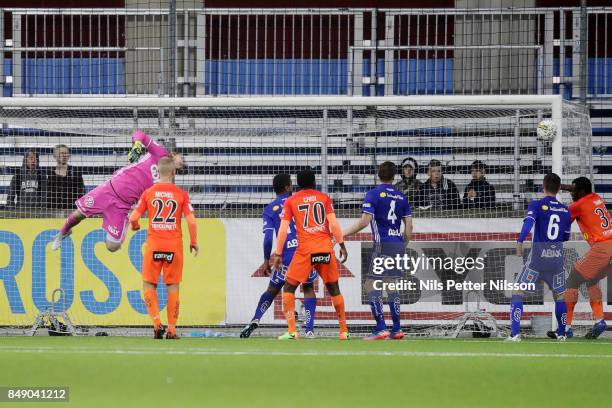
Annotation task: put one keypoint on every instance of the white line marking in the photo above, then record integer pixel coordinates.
(605, 342)
(271, 353)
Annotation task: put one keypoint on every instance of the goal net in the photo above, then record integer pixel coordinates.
(469, 165)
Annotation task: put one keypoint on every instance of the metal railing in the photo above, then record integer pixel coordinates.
(218, 52)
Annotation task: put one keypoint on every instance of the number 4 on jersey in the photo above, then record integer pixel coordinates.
(391, 215)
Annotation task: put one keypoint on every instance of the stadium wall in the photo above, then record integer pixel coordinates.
(223, 284)
(308, 77)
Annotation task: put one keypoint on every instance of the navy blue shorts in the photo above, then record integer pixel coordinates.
(383, 255)
(541, 268)
(278, 276)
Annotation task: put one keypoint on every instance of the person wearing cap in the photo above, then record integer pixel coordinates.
(438, 192)
(479, 193)
(409, 185)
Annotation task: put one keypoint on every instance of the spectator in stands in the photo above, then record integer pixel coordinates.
(438, 192)
(409, 185)
(64, 183)
(479, 193)
(28, 185)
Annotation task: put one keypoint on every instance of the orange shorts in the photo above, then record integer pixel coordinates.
(596, 262)
(325, 263)
(166, 257)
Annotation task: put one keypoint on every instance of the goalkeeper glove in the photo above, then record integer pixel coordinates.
(137, 150)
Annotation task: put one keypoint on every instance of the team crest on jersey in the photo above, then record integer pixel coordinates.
(383, 194)
(89, 201)
(275, 208)
(545, 207)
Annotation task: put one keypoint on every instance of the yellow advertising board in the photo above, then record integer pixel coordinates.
(100, 287)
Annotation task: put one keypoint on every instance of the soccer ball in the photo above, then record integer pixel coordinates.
(546, 130)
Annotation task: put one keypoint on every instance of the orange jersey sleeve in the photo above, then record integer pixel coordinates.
(190, 217)
(187, 207)
(593, 218)
(141, 206)
(287, 213)
(329, 206)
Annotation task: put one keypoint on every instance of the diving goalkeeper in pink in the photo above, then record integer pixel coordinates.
(115, 197)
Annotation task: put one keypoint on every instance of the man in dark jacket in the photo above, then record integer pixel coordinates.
(438, 192)
(409, 185)
(479, 193)
(28, 185)
(65, 183)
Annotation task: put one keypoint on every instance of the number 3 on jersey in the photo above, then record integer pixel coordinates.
(605, 217)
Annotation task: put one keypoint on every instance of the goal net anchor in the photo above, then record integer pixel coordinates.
(483, 324)
(55, 317)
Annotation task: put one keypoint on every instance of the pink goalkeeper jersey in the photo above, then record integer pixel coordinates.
(131, 181)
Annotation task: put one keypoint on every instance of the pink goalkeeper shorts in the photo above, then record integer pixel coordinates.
(103, 200)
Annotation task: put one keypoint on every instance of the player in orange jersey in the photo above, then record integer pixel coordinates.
(316, 223)
(165, 202)
(589, 210)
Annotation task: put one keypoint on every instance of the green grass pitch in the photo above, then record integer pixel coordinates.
(262, 372)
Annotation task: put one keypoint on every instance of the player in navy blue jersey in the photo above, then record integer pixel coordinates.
(385, 209)
(271, 222)
(550, 220)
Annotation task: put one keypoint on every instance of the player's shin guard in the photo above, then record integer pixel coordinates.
(595, 300)
(173, 310)
(516, 312)
(561, 315)
(289, 310)
(338, 302)
(571, 298)
(265, 301)
(377, 310)
(310, 304)
(152, 304)
(394, 306)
